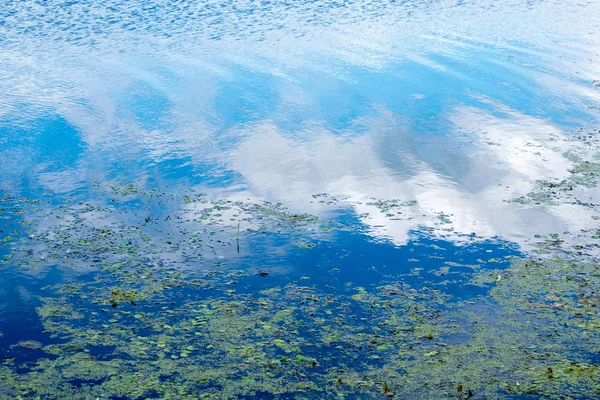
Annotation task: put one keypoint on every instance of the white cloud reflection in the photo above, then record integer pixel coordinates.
(504, 157)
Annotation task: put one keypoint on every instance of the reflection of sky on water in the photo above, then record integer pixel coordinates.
(457, 106)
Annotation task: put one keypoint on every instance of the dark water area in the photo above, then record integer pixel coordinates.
(299, 200)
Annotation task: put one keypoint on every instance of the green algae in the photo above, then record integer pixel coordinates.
(297, 340)
(392, 207)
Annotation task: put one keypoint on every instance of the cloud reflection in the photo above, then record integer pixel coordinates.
(457, 106)
(502, 156)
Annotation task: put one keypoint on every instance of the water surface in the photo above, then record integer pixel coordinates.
(313, 199)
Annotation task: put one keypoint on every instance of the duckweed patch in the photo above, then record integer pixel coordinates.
(297, 340)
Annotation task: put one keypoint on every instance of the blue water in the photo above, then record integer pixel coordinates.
(448, 108)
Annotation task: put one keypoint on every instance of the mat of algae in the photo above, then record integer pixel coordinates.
(172, 315)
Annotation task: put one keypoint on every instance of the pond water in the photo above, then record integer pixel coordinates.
(307, 199)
